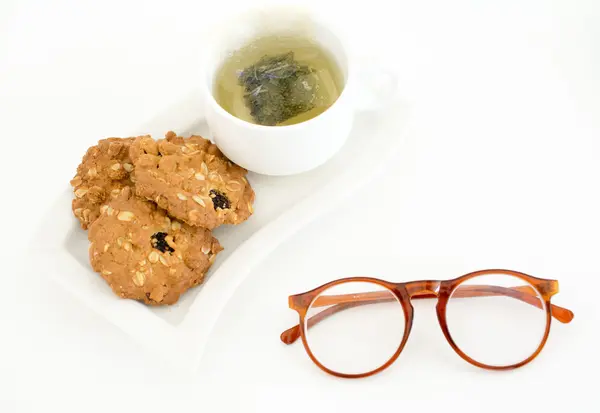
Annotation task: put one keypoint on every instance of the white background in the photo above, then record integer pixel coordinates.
(502, 170)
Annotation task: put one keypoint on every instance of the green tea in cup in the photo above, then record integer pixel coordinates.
(278, 80)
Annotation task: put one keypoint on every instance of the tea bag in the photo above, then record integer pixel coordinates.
(277, 88)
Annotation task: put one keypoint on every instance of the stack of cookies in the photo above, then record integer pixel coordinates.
(150, 207)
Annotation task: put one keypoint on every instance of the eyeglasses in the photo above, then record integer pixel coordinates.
(494, 319)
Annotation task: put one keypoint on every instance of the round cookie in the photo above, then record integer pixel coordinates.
(192, 180)
(103, 172)
(144, 255)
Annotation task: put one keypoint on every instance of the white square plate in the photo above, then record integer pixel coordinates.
(283, 205)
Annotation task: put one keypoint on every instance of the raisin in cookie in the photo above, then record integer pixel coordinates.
(192, 180)
(103, 172)
(144, 255)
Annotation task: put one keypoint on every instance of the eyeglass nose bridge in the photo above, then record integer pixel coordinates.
(423, 289)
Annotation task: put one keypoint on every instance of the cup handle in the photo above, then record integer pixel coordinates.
(376, 87)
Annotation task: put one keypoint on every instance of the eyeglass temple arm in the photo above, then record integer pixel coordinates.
(345, 301)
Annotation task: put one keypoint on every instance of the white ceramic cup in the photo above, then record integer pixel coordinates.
(287, 150)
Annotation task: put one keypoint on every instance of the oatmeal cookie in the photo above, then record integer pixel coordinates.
(192, 180)
(103, 172)
(146, 256)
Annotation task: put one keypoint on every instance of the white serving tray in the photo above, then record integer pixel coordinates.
(283, 206)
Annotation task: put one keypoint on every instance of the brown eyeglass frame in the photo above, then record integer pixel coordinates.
(406, 291)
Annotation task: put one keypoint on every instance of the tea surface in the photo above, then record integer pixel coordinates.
(277, 80)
